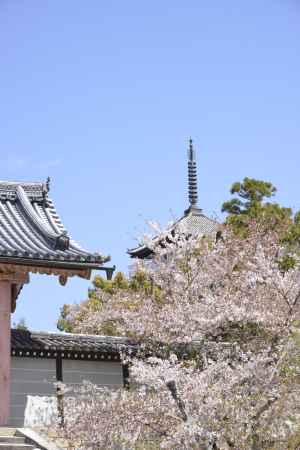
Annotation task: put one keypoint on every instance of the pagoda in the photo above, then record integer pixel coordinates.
(193, 221)
(32, 240)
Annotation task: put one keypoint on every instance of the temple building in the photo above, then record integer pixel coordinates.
(193, 221)
(32, 240)
(39, 360)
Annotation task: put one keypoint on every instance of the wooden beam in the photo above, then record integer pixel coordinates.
(6, 268)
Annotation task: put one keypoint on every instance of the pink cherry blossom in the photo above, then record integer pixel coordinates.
(218, 365)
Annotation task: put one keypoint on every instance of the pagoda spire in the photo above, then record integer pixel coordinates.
(192, 176)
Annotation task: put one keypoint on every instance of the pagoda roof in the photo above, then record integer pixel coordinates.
(32, 234)
(193, 222)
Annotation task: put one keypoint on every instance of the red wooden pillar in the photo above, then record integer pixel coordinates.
(10, 284)
(5, 358)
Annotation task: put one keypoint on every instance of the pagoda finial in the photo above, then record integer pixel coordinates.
(192, 175)
(48, 183)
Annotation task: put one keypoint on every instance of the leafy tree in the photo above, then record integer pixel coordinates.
(292, 236)
(250, 204)
(63, 322)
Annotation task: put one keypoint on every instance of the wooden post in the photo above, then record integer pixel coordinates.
(59, 393)
(8, 281)
(5, 359)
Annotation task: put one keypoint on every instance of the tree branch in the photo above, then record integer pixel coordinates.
(171, 385)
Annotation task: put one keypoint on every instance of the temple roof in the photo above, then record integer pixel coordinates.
(32, 234)
(23, 341)
(193, 222)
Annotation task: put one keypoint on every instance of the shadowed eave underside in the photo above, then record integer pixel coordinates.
(32, 234)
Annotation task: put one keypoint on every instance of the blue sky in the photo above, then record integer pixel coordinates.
(102, 97)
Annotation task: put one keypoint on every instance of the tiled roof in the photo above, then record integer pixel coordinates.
(31, 232)
(193, 222)
(22, 340)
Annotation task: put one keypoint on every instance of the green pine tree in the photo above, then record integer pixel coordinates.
(251, 203)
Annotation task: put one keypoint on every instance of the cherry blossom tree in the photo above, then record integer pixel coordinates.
(217, 359)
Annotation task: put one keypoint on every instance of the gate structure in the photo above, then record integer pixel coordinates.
(32, 240)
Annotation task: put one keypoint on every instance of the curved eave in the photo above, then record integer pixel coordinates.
(142, 252)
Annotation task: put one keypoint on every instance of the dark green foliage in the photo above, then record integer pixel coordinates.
(139, 281)
(250, 204)
(63, 323)
(287, 262)
(118, 282)
(292, 236)
(252, 191)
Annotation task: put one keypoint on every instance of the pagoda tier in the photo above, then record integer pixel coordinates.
(33, 238)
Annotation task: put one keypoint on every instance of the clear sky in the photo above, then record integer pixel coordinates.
(103, 96)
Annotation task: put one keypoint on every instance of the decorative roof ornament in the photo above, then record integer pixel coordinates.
(192, 176)
(62, 241)
(48, 181)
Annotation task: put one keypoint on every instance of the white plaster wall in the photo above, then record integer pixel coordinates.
(36, 377)
(30, 376)
(102, 373)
